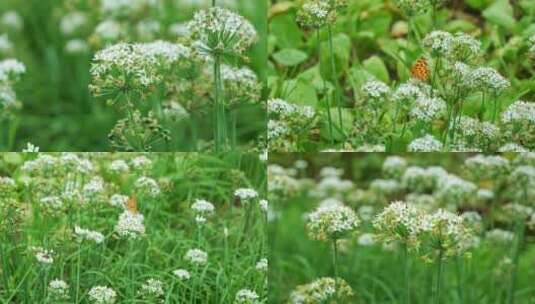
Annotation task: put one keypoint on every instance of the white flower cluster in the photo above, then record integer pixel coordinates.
(202, 209)
(332, 222)
(428, 143)
(12, 20)
(241, 84)
(42, 255)
(85, 234)
(458, 46)
(119, 8)
(138, 65)
(485, 78)
(246, 195)
(486, 166)
(399, 221)
(152, 288)
(221, 31)
(447, 232)
(72, 22)
(10, 71)
(6, 46)
(182, 274)
(246, 296)
(375, 89)
(427, 109)
(148, 185)
(520, 112)
(500, 236)
(286, 110)
(130, 225)
(102, 295)
(58, 290)
(452, 189)
(394, 166)
(196, 256)
(262, 265)
(322, 290)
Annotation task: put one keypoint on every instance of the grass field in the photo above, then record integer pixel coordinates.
(73, 225)
(480, 245)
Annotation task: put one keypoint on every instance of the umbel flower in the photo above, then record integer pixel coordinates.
(332, 222)
(58, 290)
(196, 256)
(136, 66)
(102, 295)
(220, 31)
(446, 231)
(317, 13)
(152, 288)
(130, 225)
(399, 221)
(246, 296)
(202, 209)
(322, 290)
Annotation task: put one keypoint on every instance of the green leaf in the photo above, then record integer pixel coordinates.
(290, 57)
(500, 13)
(300, 92)
(341, 50)
(377, 68)
(286, 31)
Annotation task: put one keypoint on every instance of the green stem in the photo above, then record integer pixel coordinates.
(335, 79)
(438, 283)
(78, 262)
(460, 279)
(406, 272)
(335, 267)
(516, 253)
(219, 108)
(328, 104)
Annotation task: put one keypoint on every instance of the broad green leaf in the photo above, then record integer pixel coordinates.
(377, 68)
(285, 29)
(342, 51)
(347, 121)
(290, 57)
(300, 92)
(500, 13)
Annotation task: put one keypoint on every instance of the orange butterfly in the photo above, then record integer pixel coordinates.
(131, 204)
(420, 69)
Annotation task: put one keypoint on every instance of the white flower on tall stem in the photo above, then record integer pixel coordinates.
(43, 256)
(85, 234)
(202, 209)
(102, 295)
(182, 274)
(246, 195)
(58, 290)
(130, 225)
(196, 257)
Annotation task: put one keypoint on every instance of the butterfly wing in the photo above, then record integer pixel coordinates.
(420, 70)
(131, 204)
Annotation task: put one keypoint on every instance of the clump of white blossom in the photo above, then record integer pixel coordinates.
(332, 222)
(221, 31)
(196, 256)
(102, 295)
(130, 225)
(202, 209)
(322, 290)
